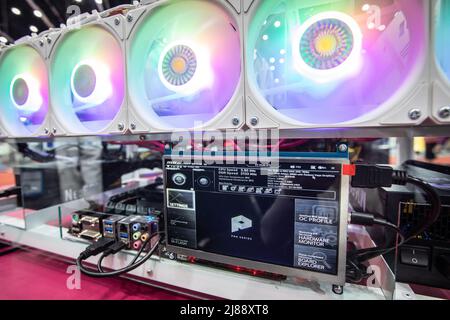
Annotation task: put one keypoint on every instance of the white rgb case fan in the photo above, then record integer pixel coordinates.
(24, 89)
(336, 63)
(2, 130)
(440, 61)
(175, 65)
(87, 77)
(185, 66)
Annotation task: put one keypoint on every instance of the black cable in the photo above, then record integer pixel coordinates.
(116, 247)
(128, 268)
(10, 192)
(370, 253)
(355, 269)
(35, 155)
(96, 248)
(116, 272)
(355, 272)
(107, 253)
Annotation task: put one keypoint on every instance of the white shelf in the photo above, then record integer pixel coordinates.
(184, 277)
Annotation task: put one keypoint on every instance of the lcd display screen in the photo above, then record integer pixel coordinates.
(286, 216)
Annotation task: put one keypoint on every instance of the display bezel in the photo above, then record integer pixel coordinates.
(338, 279)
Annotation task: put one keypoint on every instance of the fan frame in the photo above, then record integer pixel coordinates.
(414, 95)
(232, 117)
(115, 25)
(3, 133)
(440, 83)
(40, 45)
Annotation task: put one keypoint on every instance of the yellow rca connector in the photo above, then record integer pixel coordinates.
(145, 237)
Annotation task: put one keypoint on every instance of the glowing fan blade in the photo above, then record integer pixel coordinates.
(335, 63)
(329, 47)
(184, 64)
(185, 70)
(178, 66)
(23, 90)
(87, 82)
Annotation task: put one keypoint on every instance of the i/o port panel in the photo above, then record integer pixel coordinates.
(135, 230)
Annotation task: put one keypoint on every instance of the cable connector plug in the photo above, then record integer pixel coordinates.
(400, 178)
(10, 192)
(114, 248)
(96, 248)
(372, 176)
(362, 219)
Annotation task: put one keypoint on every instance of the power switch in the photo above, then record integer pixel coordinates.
(415, 256)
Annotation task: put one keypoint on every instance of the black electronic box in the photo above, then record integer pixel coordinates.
(424, 260)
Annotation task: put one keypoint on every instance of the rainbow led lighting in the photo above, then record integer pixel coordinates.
(329, 47)
(23, 90)
(90, 82)
(178, 65)
(184, 63)
(87, 79)
(25, 93)
(185, 70)
(442, 37)
(334, 63)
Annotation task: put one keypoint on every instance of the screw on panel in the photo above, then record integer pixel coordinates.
(116, 21)
(46, 131)
(338, 289)
(130, 18)
(171, 256)
(235, 121)
(49, 40)
(408, 295)
(414, 114)
(343, 147)
(133, 126)
(444, 112)
(41, 43)
(254, 121)
(54, 131)
(121, 126)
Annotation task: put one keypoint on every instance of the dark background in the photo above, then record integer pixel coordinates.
(13, 27)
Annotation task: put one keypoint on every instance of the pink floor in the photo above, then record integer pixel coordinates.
(33, 275)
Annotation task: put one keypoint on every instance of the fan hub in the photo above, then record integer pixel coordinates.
(20, 91)
(84, 80)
